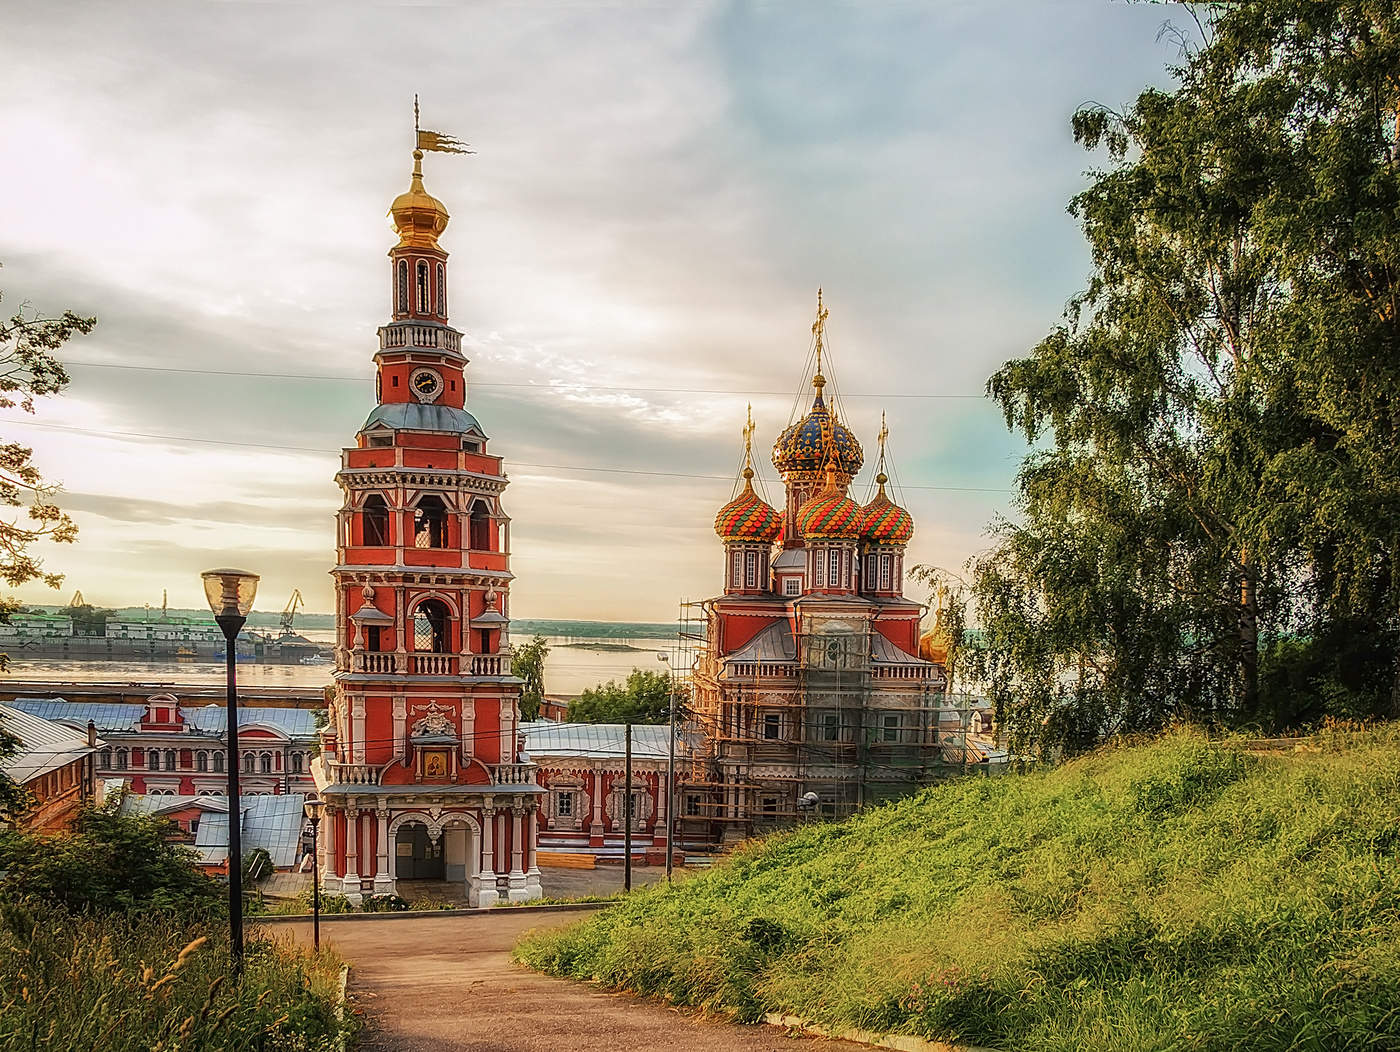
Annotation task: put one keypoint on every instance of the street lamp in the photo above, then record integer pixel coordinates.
(313, 807)
(230, 594)
(665, 659)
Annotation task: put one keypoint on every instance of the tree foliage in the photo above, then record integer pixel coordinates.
(1211, 503)
(644, 698)
(108, 862)
(29, 369)
(528, 664)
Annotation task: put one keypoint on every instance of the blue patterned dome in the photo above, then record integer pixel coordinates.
(803, 446)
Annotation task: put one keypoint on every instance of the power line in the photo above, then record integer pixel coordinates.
(563, 388)
(147, 436)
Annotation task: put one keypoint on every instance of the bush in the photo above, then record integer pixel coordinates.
(383, 904)
(109, 862)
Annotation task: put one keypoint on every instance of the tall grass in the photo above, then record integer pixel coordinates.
(1181, 894)
(117, 983)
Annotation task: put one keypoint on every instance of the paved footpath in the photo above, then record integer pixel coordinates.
(447, 983)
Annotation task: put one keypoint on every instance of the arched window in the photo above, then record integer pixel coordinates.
(296, 763)
(480, 527)
(430, 523)
(248, 761)
(403, 286)
(121, 759)
(423, 304)
(170, 759)
(201, 761)
(106, 760)
(430, 621)
(218, 763)
(265, 762)
(375, 521)
(441, 291)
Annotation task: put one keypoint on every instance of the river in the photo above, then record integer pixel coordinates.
(569, 669)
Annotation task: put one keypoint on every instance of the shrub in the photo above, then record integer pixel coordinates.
(383, 904)
(109, 861)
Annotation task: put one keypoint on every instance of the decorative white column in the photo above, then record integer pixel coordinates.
(517, 891)
(352, 854)
(383, 879)
(658, 826)
(486, 893)
(330, 879)
(400, 724)
(357, 722)
(595, 830)
(532, 840)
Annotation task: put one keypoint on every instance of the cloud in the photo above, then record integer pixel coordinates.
(657, 193)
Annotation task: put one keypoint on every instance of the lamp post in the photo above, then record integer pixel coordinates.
(230, 594)
(313, 807)
(665, 659)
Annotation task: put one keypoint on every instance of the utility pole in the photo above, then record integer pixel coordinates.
(670, 762)
(627, 808)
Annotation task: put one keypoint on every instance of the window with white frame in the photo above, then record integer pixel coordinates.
(772, 726)
(423, 287)
(403, 286)
(833, 575)
(886, 570)
(831, 726)
(751, 570)
(792, 586)
(819, 569)
(890, 728)
(736, 574)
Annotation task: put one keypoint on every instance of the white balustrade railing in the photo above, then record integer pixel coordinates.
(353, 774)
(432, 664)
(513, 774)
(490, 665)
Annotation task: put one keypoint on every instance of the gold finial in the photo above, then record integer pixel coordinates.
(748, 447)
(819, 331)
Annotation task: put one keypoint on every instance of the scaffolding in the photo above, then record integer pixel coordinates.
(832, 721)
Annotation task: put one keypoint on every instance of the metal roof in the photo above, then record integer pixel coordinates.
(774, 643)
(599, 741)
(886, 653)
(44, 745)
(201, 720)
(155, 804)
(273, 823)
(416, 416)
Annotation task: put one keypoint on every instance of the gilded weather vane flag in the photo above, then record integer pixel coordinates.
(437, 142)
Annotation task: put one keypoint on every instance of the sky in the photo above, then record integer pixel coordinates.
(658, 191)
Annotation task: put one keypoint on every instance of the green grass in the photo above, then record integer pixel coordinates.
(159, 984)
(1174, 895)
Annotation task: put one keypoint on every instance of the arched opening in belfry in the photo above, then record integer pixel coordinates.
(479, 527)
(430, 627)
(430, 523)
(423, 304)
(375, 521)
(403, 286)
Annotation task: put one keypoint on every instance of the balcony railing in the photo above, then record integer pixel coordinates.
(432, 664)
(369, 661)
(490, 665)
(353, 774)
(513, 774)
(430, 336)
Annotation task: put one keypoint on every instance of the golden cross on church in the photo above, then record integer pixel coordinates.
(819, 329)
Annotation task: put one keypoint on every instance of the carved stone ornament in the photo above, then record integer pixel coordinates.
(433, 721)
(367, 592)
(642, 809)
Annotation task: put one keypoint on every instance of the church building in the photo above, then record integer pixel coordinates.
(811, 698)
(421, 765)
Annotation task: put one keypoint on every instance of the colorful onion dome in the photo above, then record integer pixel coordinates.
(830, 515)
(882, 521)
(418, 216)
(807, 444)
(748, 517)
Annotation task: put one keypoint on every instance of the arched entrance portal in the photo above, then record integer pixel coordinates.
(445, 849)
(418, 855)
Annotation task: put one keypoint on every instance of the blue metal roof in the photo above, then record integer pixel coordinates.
(273, 823)
(203, 720)
(416, 416)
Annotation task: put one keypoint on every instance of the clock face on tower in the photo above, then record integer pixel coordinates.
(426, 383)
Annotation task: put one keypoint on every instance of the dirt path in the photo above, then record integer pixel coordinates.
(447, 983)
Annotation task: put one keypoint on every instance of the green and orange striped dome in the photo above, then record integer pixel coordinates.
(830, 515)
(748, 517)
(882, 521)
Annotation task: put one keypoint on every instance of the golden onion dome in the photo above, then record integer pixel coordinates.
(748, 517)
(419, 217)
(882, 521)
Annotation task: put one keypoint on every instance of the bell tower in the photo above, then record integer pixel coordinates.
(421, 765)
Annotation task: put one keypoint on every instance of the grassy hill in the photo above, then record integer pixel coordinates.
(1174, 895)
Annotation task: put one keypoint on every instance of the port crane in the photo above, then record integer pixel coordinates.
(289, 612)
